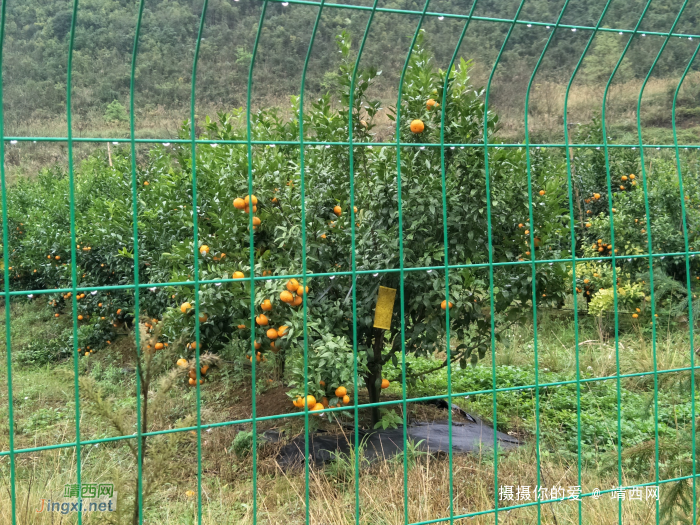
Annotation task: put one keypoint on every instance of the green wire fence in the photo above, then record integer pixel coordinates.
(417, 17)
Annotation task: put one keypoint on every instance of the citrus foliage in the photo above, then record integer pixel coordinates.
(40, 234)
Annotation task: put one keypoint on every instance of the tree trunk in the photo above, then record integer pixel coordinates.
(373, 380)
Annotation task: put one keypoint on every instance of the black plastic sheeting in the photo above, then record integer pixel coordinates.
(432, 437)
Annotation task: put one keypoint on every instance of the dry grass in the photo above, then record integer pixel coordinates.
(281, 496)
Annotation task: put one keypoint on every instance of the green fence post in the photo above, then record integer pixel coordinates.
(651, 255)
(138, 503)
(6, 274)
(73, 255)
(490, 248)
(572, 226)
(614, 269)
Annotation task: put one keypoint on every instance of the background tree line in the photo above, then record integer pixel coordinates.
(35, 54)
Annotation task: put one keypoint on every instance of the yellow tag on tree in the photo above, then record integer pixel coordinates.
(385, 307)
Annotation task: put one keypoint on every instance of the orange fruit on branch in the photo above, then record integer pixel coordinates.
(417, 126)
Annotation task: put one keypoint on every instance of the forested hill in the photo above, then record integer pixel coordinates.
(37, 36)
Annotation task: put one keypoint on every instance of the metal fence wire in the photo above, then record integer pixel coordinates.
(400, 149)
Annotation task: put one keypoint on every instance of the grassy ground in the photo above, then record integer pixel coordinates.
(44, 414)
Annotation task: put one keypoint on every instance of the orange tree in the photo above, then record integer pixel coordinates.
(166, 250)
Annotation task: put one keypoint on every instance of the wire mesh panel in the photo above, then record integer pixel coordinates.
(368, 262)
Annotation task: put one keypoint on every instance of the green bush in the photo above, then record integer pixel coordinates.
(243, 444)
(42, 352)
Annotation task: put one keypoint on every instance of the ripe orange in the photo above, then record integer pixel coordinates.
(542, 192)
(300, 290)
(58, 257)
(182, 363)
(292, 285)
(322, 382)
(192, 382)
(282, 330)
(55, 315)
(521, 225)
(385, 383)
(256, 221)
(257, 345)
(203, 318)
(443, 305)
(417, 126)
(262, 320)
(527, 232)
(266, 305)
(192, 373)
(337, 210)
(241, 327)
(204, 369)
(341, 391)
(588, 225)
(346, 400)
(185, 307)
(286, 297)
(204, 249)
(624, 178)
(596, 196)
(193, 345)
(145, 183)
(297, 301)
(159, 346)
(635, 315)
(632, 177)
(318, 406)
(430, 104)
(238, 203)
(272, 345)
(80, 318)
(238, 275)
(272, 334)
(310, 401)
(248, 198)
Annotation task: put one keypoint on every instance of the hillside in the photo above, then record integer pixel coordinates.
(36, 48)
